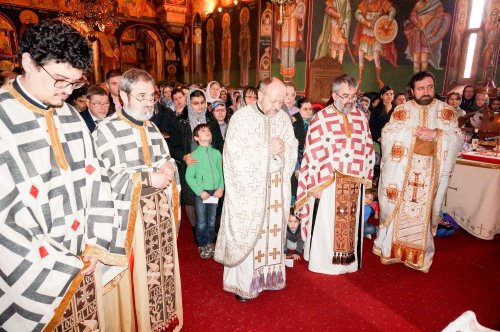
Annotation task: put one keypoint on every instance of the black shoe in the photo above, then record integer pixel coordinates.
(241, 298)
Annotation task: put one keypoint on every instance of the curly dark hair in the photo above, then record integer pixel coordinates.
(52, 40)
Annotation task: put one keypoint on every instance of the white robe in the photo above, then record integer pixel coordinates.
(413, 182)
(318, 247)
(256, 206)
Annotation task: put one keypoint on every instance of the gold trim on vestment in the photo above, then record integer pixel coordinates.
(104, 256)
(59, 312)
(389, 260)
(113, 282)
(55, 142)
(346, 121)
(144, 140)
(175, 207)
(313, 191)
(367, 183)
(132, 216)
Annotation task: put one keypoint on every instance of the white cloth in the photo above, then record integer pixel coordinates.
(467, 322)
(319, 251)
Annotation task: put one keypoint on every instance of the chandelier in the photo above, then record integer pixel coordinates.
(281, 4)
(96, 14)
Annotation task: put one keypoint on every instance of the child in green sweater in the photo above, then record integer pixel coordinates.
(207, 182)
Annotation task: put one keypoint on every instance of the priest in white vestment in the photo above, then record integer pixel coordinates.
(145, 296)
(336, 168)
(260, 152)
(419, 147)
(57, 217)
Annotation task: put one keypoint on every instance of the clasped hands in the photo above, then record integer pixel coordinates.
(277, 146)
(425, 134)
(162, 177)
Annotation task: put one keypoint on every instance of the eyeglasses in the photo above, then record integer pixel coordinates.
(100, 105)
(346, 96)
(144, 97)
(61, 84)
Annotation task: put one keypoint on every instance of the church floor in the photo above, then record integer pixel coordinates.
(464, 276)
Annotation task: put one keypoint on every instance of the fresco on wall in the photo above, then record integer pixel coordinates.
(290, 41)
(457, 45)
(383, 41)
(226, 49)
(244, 49)
(265, 41)
(491, 35)
(142, 9)
(210, 50)
(185, 46)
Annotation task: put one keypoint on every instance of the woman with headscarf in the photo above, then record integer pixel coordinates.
(468, 96)
(212, 92)
(236, 100)
(181, 143)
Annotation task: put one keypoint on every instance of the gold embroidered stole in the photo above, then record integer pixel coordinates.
(414, 210)
(55, 141)
(346, 208)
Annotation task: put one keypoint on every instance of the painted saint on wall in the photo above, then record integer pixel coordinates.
(372, 38)
(244, 49)
(428, 25)
(226, 49)
(170, 54)
(210, 51)
(336, 23)
(290, 37)
(185, 52)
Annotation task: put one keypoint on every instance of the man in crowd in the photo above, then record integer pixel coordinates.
(56, 217)
(97, 107)
(251, 236)
(419, 147)
(336, 169)
(147, 297)
(113, 78)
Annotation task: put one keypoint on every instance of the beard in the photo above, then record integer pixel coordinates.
(345, 108)
(141, 115)
(424, 100)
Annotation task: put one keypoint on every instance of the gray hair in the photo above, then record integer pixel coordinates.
(265, 83)
(349, 80)
(132, 76)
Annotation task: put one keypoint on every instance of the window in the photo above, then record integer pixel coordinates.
(474, 39)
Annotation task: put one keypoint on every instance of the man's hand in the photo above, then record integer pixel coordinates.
(425, 134)
(204, 195)
(188, 160)
(317, 195)
(296, 257)
(168, 170)
(160, 180)
(89, 269)
(277, 145)
(219, 192)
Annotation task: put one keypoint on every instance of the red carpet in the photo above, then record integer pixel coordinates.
(464, 276)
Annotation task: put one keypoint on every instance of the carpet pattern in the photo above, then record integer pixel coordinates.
(464, 276)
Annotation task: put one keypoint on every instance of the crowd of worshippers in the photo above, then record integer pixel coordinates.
(92, 193)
